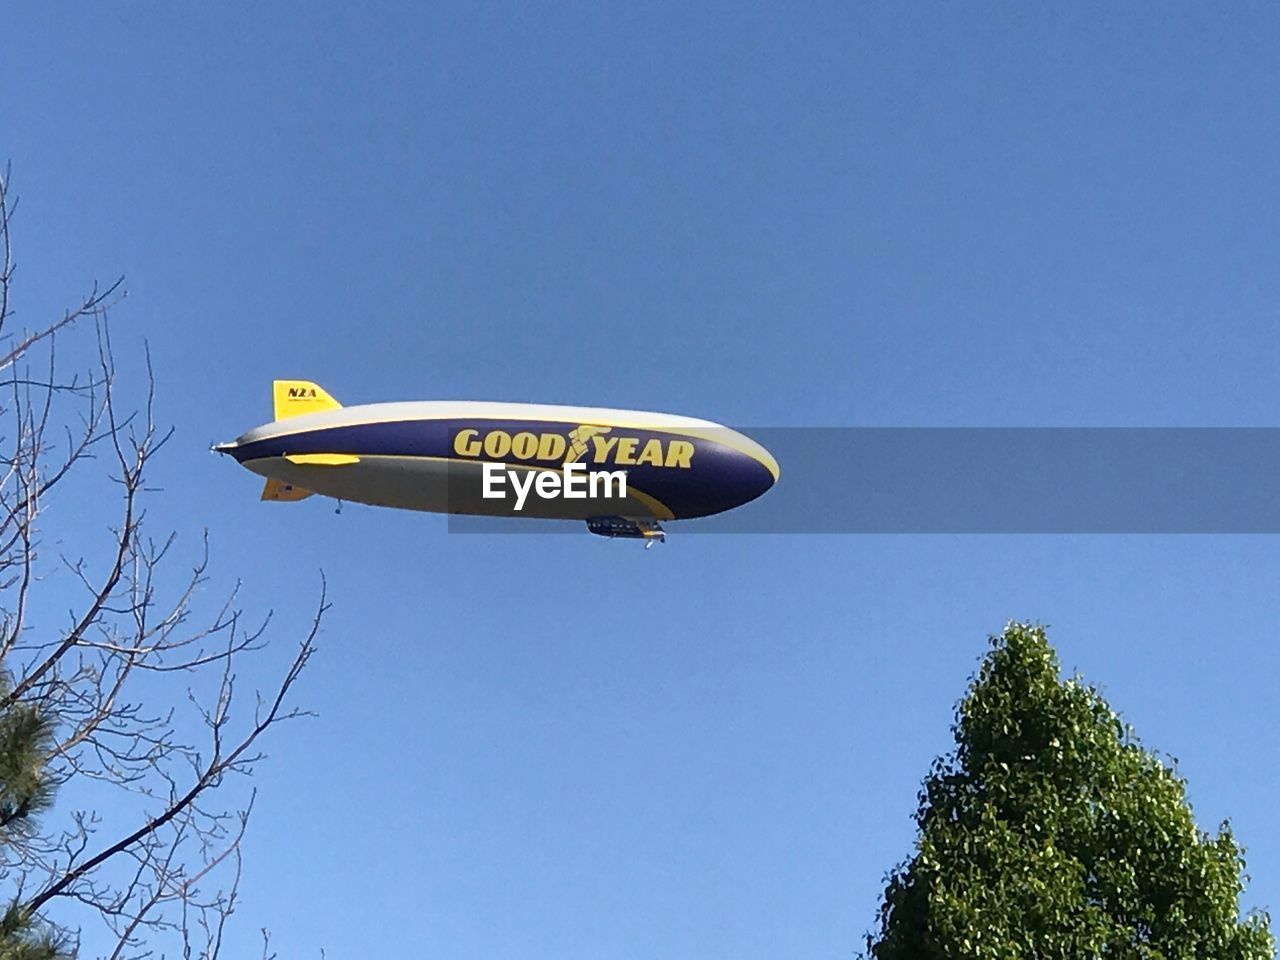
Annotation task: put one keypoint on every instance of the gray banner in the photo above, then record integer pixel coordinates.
(998, 480)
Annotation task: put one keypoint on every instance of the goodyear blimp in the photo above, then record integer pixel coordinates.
(623, 472)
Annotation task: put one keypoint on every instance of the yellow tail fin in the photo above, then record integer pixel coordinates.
(293, 398)
(275, 490)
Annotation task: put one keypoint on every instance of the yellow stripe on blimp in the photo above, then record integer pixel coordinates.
(322, 459)
(725, 436)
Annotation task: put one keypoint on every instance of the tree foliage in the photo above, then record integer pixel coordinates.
(27, 739)
(1051, 833)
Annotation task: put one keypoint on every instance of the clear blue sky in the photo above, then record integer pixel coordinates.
(946, 214)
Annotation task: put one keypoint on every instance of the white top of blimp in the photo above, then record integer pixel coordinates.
(482, 410)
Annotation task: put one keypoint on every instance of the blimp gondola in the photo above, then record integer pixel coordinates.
(623, 472)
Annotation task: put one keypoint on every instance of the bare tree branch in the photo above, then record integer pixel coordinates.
(138, 684)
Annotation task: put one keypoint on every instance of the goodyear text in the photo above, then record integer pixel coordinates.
(589, 444)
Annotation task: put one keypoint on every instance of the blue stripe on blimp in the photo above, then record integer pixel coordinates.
(718, 477)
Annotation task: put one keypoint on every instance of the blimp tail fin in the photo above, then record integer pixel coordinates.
(276, 490)
(293, 398)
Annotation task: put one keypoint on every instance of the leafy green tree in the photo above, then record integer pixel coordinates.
(1050, 832)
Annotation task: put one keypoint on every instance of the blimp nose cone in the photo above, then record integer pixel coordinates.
(758, 468)
(730, 469)
(754, 475)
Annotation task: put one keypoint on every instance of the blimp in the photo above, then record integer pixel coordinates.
(624, 473)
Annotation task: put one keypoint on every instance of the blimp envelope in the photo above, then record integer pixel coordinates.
(504, 459)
